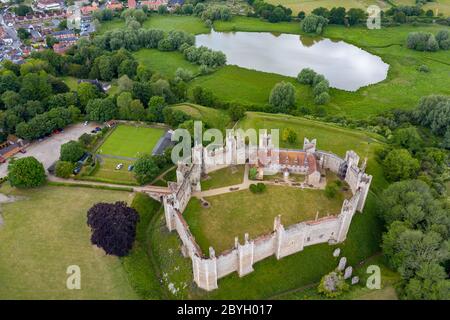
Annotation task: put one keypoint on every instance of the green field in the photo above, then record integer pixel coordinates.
(213, 118)
(327, 139)
(234, 214)
(45, 232)
(130, 141)
(309, 5)
(438, 6)
(165, 63)
(224, 177)
(191, 24)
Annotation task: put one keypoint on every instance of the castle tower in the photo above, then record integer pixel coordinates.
(309, 146)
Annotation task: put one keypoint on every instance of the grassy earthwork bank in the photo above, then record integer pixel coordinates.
(212, 118)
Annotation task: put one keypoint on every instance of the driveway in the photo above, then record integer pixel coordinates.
(47, 150)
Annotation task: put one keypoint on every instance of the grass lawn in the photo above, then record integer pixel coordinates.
(165, 63)
(130, 141)
(329, 138)
(236, 213)
(44, 233)
(213, 118)
(71, 82)
(224, 177)
(191, 24)
(107, 172)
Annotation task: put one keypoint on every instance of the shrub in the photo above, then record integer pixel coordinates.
(332, 285)
(252, 173)
(322, 98)
(64, 169)
(331, 190)
(314, 24)
(258, 188)
(423, 68)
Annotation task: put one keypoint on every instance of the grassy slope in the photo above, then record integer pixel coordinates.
(213, 118)
(233, 214)
(43, 234)
(130, 141)
(165, 63)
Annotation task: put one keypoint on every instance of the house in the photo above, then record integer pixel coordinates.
(174, 3)
(132, 4)
(61, 47)
(87, 10)
(5, 37)
(114, 5)
(48, 5)
(153, 4)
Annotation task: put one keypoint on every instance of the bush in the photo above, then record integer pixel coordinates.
(332, 285)
(423, 68)
(258, 188)
(26, 172)
(322, 98)
(314, 24)
(331, 190)
(252, 173)
(64, 169)
(71, 151)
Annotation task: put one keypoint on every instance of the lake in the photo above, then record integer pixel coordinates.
(346, 66)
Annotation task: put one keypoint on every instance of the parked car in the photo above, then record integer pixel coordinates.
(86, 123)
(119, 166)
(98, 129)
(77, 170)
(130, 167)
(23, 150)
(93, 131)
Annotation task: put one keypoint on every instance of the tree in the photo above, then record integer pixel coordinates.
(64, 169)
(289, 135)
(306, 76)
(331, 190)
(101, 110)
(145, 169)
(155, 109)
(355, 15)
(253, 172)
(337, 15)
(86, 92)
(183, 74)
(400, 165)
(236, 112)
(408, 138)
(314, 24)
(26, 172)
(430, 283)
(113, 227)
(322, 98)
(282, 97)
(71, 151)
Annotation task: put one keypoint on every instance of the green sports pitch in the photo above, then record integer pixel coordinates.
(130, 141)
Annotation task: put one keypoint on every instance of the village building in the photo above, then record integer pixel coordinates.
(153, 4)
(114, 5)
(48, 5)
(132, 4)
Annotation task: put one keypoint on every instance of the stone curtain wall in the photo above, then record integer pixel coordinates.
(281, 241)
